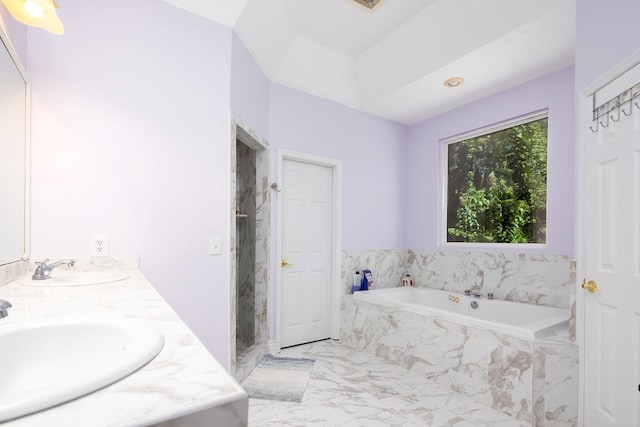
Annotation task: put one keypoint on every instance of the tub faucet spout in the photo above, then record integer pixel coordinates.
(43, 271)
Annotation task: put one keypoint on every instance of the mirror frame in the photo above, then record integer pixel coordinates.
(26, 208)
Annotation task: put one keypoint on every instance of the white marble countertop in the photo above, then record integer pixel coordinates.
(183, 379)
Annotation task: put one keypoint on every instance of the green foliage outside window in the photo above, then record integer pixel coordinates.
(497, 186)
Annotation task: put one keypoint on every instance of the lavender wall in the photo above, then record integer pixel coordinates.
(555, 92)
(373, 152)
(249, 89)
(606, 33)
(131, 138)
(16, 32)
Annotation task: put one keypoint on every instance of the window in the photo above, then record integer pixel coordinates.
(496, 184)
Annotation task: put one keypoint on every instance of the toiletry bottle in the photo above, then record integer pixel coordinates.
(407, 281)
(357, 282)
(367, 281)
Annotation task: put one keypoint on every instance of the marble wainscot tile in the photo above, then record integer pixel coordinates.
(387, 266)
(182, 380)
(532, 279)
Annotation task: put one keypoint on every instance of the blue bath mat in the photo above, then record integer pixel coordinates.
(279, 378)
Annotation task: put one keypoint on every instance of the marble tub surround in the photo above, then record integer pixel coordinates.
(386, 265)
(531, 279)
(494, 370)
(555, 382)
(182, 385)
(352, 387)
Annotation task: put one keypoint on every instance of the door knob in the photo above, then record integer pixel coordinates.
(284, 263)
(590, 286)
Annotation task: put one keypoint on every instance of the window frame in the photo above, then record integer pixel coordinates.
(444, 180)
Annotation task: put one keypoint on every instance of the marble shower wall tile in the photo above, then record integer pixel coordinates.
(386, 265)
(249, 248)
(532, 279)
(245, 246)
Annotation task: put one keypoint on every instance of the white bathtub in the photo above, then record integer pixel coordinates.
(527, 321)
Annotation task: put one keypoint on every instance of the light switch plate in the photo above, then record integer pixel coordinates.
(215, 246)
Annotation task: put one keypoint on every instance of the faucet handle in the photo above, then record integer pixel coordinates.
(4, 306)
(43, 262)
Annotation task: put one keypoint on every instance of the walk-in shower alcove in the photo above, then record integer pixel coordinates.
(249, 249)
(245, 248)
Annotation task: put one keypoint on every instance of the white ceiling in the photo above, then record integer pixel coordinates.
(392, 61)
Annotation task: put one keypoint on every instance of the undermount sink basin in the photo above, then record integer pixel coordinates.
(78, 278)
(49, 363)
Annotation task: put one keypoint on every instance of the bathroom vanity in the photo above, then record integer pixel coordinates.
(182, 386)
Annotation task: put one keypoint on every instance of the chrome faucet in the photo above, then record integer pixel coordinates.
(4, 306)
(43, 271)
(469, 292)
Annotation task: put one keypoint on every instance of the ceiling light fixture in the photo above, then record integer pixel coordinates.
(454, 82)
(36, 13)
(368, 3)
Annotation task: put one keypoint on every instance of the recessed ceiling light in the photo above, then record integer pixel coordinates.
(454, 82)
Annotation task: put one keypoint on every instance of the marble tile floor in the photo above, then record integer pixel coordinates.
(350, 387)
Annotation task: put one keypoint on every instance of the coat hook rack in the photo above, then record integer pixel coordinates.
(274, 186)
(614, 119)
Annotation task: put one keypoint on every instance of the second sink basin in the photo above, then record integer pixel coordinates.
(45, 364)
(78, 278)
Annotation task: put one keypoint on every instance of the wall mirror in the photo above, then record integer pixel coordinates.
(13, 155)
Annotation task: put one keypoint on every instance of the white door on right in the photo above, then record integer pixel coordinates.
(611, 289)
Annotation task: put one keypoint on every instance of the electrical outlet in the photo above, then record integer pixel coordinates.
(99, 245)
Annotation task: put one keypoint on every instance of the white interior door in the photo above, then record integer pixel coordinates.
(306, 249)
(611, 235)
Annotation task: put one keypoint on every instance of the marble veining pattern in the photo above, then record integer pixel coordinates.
(245, 248)
(493, 369)
(387, 266)
(182, 380)
(555, 381)
(351, 387)
(530, 279)
(243, 360)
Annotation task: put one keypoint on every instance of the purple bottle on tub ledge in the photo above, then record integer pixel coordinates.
(367, 280)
